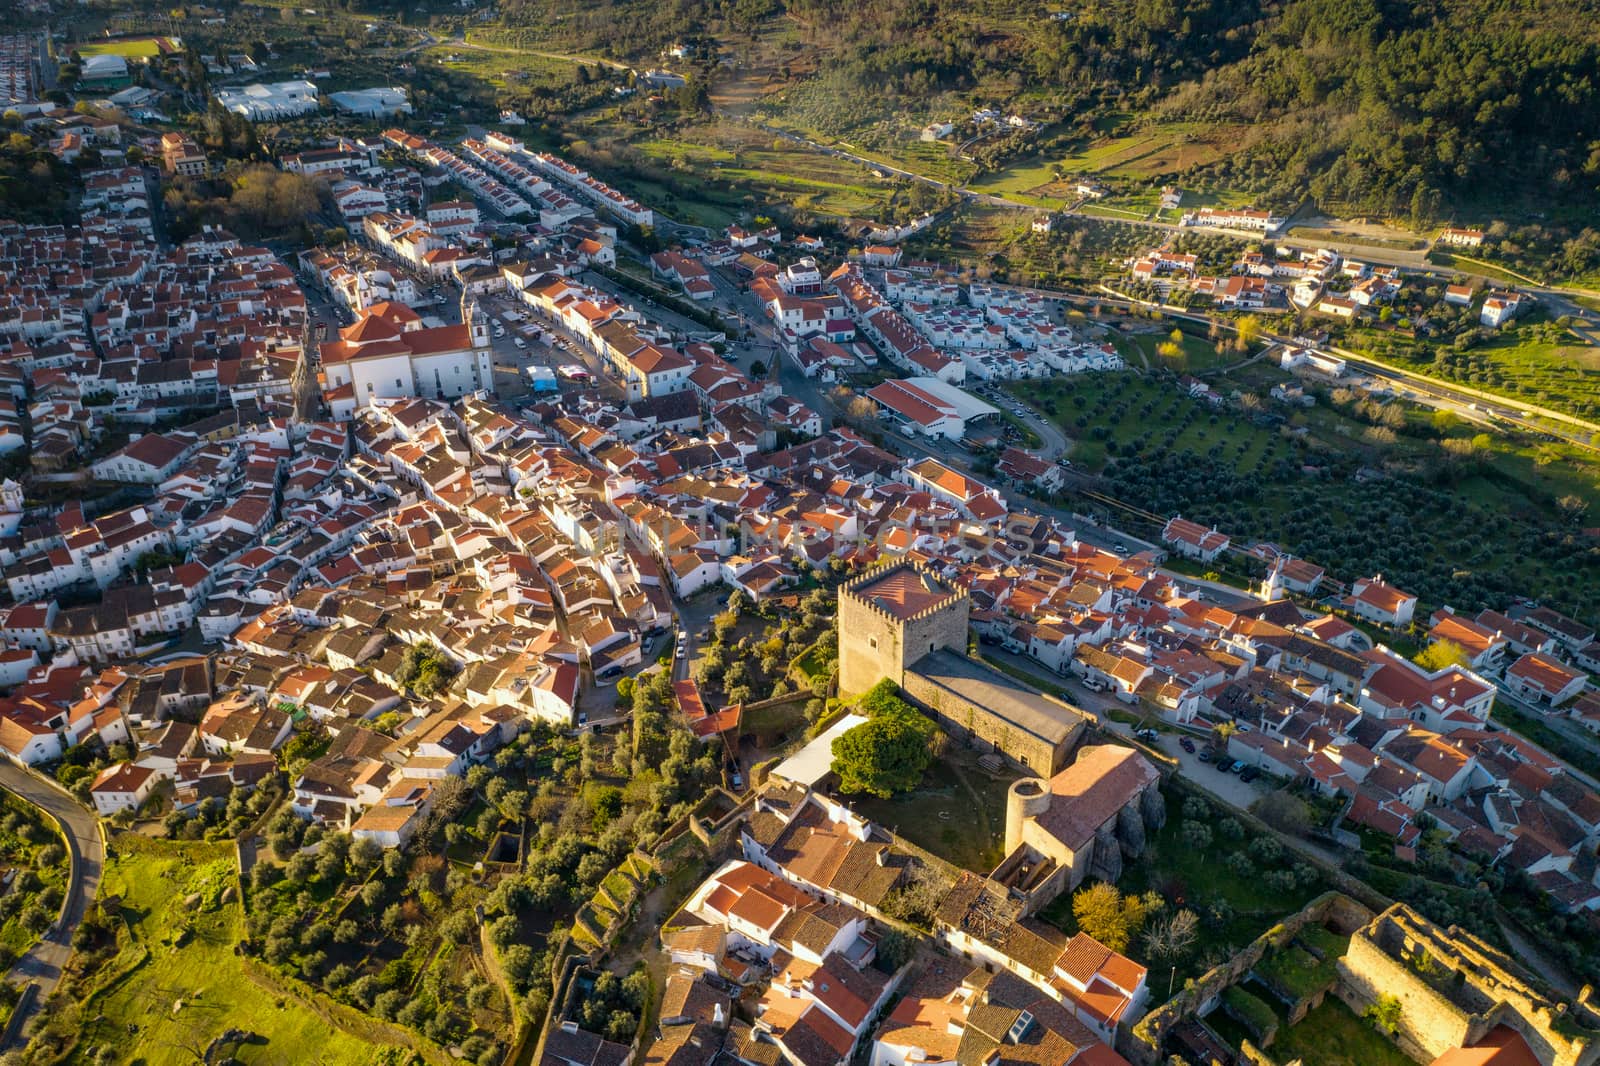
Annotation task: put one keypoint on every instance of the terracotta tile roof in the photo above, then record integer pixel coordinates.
(1090, 792)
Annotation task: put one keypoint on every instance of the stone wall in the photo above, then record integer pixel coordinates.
(971, 723)
(1429, 1023)
(874, 643)
(1453, 989)
(1141, 1045)
(869, 647)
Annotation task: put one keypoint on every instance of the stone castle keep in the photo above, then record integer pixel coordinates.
(890, 618)
(906, 623)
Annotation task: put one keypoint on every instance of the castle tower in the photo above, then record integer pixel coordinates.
(892, 617)
(1025, 799)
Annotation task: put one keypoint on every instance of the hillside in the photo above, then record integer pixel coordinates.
(1426, 111)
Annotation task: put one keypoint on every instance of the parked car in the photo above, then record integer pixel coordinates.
(1249, 773)
(1187, 745)
(1225, 764)
(682, 652)
(519, 342)
(1237, 767)
(1146, 734)
(1205, 756)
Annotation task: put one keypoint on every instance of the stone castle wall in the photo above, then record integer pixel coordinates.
(875, 644)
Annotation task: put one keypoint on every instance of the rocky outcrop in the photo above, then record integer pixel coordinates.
(1130, 831)
(1154, 809)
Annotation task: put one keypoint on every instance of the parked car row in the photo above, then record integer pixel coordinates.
(1229, 765)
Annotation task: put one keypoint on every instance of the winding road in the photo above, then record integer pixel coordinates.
(44, 962)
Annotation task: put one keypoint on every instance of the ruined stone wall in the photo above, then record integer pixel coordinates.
(1141, 1044)
(1429, 1023)
(1454, 988)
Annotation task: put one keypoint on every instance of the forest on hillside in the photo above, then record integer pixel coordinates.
(1426, 109)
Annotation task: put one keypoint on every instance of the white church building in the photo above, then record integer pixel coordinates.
(387, 353)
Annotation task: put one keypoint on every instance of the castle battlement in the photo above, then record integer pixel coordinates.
(926, 595)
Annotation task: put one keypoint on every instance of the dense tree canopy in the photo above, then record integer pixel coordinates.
(889, 752)
(1426, 110)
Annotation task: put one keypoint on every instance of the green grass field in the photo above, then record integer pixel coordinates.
(191, 987)
(1332, 1035)
(501, 68)
(1138, 159)
(711, 173)
(131, 48)
(1481, 267)
(735, 167)
(1151, 408)
(1198, 354)
(1198, 879)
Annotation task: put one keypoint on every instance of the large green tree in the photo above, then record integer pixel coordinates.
(886, 754)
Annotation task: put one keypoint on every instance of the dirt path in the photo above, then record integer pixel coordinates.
(1223, 371)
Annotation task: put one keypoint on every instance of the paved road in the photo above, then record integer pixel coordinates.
(44, 962)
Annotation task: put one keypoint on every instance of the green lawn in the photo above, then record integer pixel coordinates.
(183, 996)
(813, 665)
(1333, 1036)
(958, 813)
(133, 48)
(1198, 355)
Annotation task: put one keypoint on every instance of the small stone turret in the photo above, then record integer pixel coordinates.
(1025, 799)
